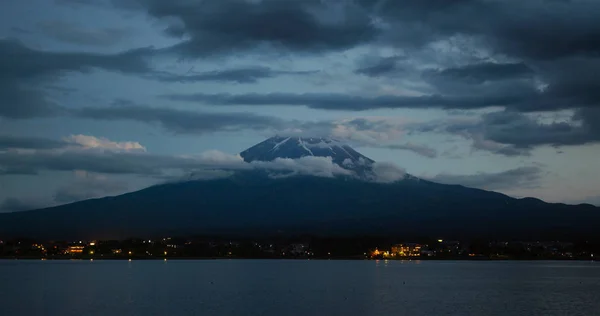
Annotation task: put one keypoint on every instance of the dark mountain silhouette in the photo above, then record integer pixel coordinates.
(253, 203)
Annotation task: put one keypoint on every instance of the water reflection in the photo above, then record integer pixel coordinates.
(298, 287)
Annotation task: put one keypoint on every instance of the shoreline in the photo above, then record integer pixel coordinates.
(278, 258)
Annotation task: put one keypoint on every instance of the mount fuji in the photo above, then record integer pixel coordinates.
(252, 202)
(298, 147)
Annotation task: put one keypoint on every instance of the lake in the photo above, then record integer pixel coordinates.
(298, 287)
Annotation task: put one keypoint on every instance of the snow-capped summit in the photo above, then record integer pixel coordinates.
(297, 147)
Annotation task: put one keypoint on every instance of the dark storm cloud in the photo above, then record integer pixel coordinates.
(563, 84)
(513, 134)
(21, 62)
(526, 30)
(571, 83)
(8, 142)
(379, 66)
(22, 170)
(544, 35)
(554, 46)
(523, 177)
(482, 72)
(421, 150)
(20, 100)
(537, 29)
(503, 149)
(181, 121)
(471, 129)
(76, 34)
(523, 131)
(565, 28)
(237, 75)
(230, 26)
(61, 89)
(76, 3)
(538, 55)
(337, 101)
(23, 72)
(557, 43)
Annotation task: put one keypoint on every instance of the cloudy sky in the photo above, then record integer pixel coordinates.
(101, 97)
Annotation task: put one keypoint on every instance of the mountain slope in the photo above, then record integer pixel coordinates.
(253, 204)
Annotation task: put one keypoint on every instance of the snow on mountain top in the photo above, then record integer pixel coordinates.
(280, 143)
(297, 147)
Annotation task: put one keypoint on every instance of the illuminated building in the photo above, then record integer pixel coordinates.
(75, 249)
(376, 253)
(38, 246)
(380, 254)
(398, 251)
(406, 250)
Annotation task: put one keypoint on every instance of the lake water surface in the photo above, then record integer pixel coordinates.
(296, 287)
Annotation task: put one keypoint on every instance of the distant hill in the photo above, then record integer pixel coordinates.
(252, 203)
